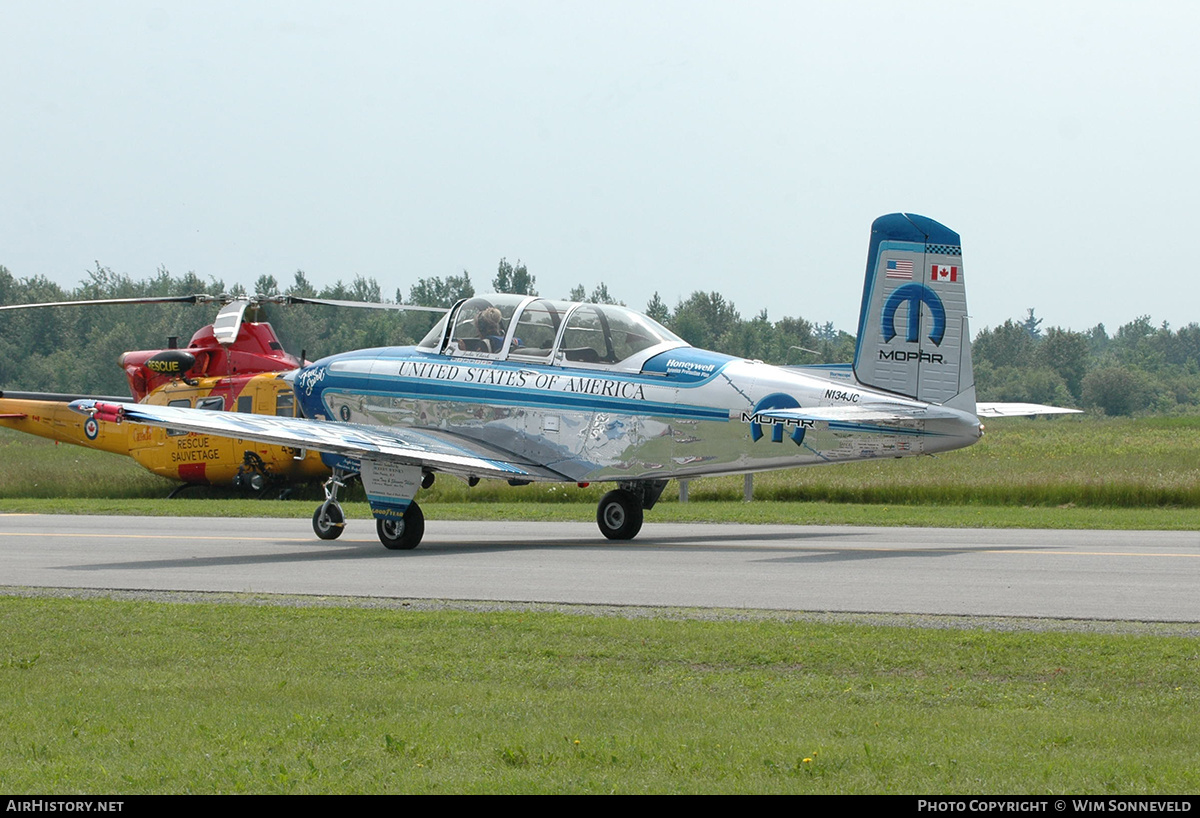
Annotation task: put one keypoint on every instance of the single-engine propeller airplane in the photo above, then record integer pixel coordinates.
(233, 364)
(527, 389)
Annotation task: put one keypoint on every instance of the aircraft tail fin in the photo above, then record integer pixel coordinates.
(913, 338)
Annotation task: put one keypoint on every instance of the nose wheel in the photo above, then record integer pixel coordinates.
(328, 520)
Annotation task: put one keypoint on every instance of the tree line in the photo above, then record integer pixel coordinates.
(1139, 368)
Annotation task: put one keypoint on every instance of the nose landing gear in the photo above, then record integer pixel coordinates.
(328, 520)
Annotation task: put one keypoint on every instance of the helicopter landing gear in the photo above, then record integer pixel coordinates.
(404, 533)
(328, 520)
(252, 474)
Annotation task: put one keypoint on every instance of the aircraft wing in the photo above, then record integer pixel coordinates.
(430, 448)
(1013, 410)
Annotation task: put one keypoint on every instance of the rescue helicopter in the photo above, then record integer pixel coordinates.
(233, 364)
(529, 389)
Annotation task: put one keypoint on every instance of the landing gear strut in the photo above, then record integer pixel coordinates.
(328, 520)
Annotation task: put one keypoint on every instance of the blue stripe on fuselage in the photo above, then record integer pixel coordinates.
(512, 385)
(505, 396)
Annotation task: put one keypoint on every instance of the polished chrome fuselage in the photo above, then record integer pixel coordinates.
(685, 412)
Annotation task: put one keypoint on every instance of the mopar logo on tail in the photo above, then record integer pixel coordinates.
(776, 401)
(900, 355)
(914, 295)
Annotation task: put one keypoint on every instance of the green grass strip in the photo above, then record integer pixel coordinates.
(106, 696)
(1066, 472)
(777, 513)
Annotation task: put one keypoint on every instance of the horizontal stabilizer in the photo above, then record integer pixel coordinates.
(881, 413)
(1016, 410)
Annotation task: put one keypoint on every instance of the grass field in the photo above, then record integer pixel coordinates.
(109, 696)
(1066, 472)
(104, 696)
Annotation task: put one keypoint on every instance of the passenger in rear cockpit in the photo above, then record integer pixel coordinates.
(489, 324)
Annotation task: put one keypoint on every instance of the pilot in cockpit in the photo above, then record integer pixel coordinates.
(489, 324)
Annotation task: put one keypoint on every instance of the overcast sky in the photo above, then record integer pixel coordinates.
(743, 147)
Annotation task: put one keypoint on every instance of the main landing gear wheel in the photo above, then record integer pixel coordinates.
(328, 521)
(405, 533)
(619, 515)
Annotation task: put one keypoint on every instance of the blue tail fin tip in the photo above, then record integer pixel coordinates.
(913, 227)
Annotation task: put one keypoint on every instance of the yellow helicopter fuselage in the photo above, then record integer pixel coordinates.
(188, 456)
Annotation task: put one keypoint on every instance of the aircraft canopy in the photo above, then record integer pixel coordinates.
(541, 330)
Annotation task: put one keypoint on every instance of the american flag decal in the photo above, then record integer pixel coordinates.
(899, 269)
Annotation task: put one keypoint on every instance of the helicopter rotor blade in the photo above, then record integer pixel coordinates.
(371, 305)
(199, 298)
(229, 321)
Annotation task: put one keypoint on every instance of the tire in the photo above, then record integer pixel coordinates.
(619, 515)
(403, 534)
(328, 521)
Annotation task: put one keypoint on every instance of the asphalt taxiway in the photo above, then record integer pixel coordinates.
(1120, 575)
